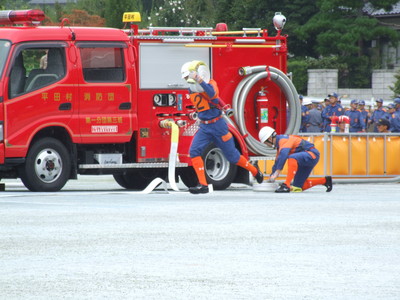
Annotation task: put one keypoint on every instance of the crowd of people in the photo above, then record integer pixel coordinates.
(331, 116)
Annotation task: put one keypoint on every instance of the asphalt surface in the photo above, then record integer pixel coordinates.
(94, 240)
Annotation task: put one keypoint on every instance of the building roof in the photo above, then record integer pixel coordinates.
(51, 2)
(370, 10)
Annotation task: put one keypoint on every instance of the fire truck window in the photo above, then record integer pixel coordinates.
(4, 49)
(160, 65)
(35, 68)
(103, 64)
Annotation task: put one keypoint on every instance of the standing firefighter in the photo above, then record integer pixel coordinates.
(301, 156)
(213, 128)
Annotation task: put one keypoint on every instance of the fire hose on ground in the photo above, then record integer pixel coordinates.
(173, 154)
(172, 159)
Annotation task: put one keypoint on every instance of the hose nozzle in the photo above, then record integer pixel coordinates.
(167, 123)
(243, 71)
(181, 123)
(193, 116)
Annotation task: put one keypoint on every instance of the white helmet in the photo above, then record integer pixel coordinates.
(265, 133)
(185, 69)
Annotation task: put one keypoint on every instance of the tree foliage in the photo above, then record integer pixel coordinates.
(115, 9)
(82, 18)
(396, 88)
(334, 32)
(342, 28)
(179, 13)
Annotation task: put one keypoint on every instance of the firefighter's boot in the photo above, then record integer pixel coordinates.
(259, 176)
(283, 189)
(296, 189)
(328, 183)
(199, 189)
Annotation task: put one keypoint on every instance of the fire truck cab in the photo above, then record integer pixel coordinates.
(77, 100)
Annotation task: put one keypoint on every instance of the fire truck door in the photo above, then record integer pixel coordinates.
(39, 94)
(104, 94)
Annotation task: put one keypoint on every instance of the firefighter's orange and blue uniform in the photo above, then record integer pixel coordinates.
(301, 157)
(213, 128)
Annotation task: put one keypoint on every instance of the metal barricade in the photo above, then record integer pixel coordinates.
(352, 157)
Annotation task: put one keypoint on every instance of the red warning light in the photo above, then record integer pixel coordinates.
(21, 16)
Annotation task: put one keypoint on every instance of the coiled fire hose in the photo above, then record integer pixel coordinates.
(252, 76)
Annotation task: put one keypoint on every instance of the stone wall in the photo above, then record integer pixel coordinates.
(321, 82)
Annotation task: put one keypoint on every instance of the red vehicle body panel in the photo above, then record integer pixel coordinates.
(117, 113)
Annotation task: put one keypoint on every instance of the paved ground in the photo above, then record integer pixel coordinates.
(96, 241)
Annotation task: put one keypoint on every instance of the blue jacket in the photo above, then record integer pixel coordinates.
(395, 121)
(305, 118)
(328, 112)
(286, 145)
(378, 114)
(364, 115)
(357, 122)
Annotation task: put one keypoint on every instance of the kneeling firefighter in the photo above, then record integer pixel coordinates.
(204, 95)
(301, 156)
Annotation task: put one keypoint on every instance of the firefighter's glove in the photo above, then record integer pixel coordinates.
(195, 76)
(273, 176)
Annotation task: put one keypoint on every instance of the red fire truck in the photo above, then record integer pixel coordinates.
(77, 100)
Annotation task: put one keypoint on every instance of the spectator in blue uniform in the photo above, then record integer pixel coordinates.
(304, 114)
(379, 113)
(391, 108)
(204, 95)
(357, 123)
(315, 121)
(383, 125)
(333, 109)
(301, 157)
(326, 103)
(364, 113)
(395, 118)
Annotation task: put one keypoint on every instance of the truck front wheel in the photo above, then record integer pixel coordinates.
(47, 167)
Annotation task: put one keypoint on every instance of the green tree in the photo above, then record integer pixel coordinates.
(82, 18)
(342, 28)
(396, 88)
(256, 13)
(179, 13)
(93, 7)
(58, 11)
(14, 4)
(114, 10)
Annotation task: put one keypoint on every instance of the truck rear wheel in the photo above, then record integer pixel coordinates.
(219, 171)
(47, 167)
(139, 179)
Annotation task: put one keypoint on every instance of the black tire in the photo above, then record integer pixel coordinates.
(188, 177)
(219, 171)
(139, 179)
(47, 167)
